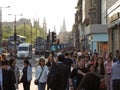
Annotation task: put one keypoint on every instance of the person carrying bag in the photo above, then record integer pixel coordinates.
(41, 73)
(37, 80)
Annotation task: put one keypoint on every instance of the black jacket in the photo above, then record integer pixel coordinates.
(62, 76)
(8, 80)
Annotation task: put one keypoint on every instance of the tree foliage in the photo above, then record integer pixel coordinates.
(24, 30)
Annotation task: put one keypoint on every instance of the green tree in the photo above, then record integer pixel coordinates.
(24, 28)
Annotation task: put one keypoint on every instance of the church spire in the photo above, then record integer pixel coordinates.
(44, 25)
(64, 26)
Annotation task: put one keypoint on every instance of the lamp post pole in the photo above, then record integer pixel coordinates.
(24, 28)
(31, 31)
(15, 33)
(1, 24)
(15, 37)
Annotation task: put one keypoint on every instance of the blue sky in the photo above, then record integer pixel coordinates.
(54, 11)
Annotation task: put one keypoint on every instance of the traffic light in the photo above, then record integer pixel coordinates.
(53, 37)
(48, 38)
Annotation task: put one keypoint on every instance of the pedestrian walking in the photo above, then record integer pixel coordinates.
(77, 73)
(15, 69)
(27, 75)
(100, 70)
(116, 75)
(58, 75)
(41, 73)
(69, 62)
(7, 79)
(108, 69)
(50, 63)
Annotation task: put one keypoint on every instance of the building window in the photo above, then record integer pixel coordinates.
(93, 17)
(94, 2)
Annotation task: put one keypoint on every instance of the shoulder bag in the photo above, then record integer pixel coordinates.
(36, 81)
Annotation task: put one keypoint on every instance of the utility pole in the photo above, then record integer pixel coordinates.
(31, 31)
(1, 24)
(48, 39)
(24, 28)
(15, 33)
(15, 37)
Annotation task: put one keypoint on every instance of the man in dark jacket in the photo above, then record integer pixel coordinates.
(7, 79)
(60, 71)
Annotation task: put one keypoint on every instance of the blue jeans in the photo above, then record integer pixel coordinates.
(41, 86)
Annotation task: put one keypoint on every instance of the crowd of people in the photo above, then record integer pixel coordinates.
(65, 70)
(89, 71)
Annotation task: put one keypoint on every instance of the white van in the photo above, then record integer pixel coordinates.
(24, 50)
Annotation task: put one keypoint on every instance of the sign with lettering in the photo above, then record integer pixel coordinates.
(114, 17)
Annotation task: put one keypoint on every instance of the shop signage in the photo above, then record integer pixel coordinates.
(114, 17)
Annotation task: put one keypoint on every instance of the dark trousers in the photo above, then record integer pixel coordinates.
(41, 86)
(116, 84)
(67, 86)
(26, 85)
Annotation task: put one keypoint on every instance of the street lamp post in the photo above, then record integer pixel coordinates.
(1, 23)
(30, 30)
(15, 33)
(31, 34)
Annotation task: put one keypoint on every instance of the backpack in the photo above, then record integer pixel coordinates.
(52, 78)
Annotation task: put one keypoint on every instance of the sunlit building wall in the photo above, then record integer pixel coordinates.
(113, 14)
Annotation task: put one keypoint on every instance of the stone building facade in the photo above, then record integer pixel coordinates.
(113, 14)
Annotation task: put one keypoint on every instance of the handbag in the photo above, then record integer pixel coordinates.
(36, 81)
(103, 85)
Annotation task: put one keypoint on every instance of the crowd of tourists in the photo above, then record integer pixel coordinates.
(68, 69)
(80, 70)
(90, 71)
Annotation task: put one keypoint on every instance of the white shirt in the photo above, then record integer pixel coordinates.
(45, 72)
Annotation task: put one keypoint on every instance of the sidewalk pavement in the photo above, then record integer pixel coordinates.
(32, 86)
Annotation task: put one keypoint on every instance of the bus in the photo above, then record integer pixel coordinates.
(40, 45)
(11, 41)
